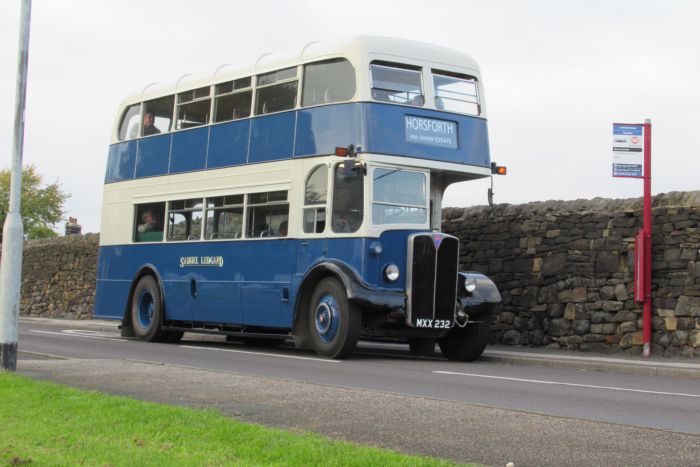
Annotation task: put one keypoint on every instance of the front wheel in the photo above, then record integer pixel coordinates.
(468, 343)
(334, 324)
(147, 311)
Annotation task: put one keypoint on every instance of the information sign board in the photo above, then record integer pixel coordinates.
(628, 150)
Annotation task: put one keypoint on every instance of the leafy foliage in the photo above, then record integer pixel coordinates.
(41, 206)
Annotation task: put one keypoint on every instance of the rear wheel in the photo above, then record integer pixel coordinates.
(147, 311)
(468, 343)
(334, 324)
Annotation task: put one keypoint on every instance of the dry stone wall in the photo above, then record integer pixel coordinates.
(564, 269)
(565, 272)
(58, 277)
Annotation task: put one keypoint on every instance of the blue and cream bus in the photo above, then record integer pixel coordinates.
(299, 197)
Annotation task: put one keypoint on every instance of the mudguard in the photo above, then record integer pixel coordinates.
(359, 291)
(482, 299)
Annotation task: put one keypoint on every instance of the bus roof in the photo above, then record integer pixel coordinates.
(358, 49)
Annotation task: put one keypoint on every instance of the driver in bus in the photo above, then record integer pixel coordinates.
(148, 124)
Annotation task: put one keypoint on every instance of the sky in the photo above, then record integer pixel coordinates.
(556, 74)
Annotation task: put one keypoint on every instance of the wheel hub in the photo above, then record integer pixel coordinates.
(326, 318)
(146, 308)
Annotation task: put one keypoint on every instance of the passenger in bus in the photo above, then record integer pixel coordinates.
(148, 124)
(282, 229)
(149, 223)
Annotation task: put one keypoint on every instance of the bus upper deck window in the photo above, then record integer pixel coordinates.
(398, 84)
(129, 126)
(193, 108)
(233, 100)
(328, 81)
(157, 116)
(456, 92)
(276, 91)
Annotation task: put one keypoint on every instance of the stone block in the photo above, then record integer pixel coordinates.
(628, 326)
(621, 292)
(630, 339)
(680, 338)
(606, 262)
(685, 323)
(683, 306)
(694, 338)
(570, 311)
(607, 292)
(581, 326)
(672, 254)
(511, 337)
(552, 233)
(579, 294)
(665, 313)
(537, 265)
(688, 254)
(593, 338)
(565, 296)
(555, 310)
(671, 324)
(553, 264)
(612, 305)
(560, 327)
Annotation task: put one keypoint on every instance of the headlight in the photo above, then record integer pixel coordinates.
(391, 272)
(470, 284)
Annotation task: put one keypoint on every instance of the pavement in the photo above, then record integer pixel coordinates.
(552, 358)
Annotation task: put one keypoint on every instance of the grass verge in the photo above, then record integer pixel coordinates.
(46, 423)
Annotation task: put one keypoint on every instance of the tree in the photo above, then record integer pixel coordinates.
(41, 206)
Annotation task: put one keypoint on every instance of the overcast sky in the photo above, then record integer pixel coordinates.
(557, 74)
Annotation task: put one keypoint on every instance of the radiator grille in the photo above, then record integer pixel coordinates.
(432, 277)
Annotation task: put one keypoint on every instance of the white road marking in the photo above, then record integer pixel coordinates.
(76, 333)
(261, 353)
(558, 383)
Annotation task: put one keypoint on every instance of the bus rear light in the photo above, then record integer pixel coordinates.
(341, 152)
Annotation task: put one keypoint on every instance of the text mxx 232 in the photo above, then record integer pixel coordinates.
(433, 323)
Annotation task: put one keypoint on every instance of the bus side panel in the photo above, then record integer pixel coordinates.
(228, 144)
(153, 155)
(272, 137)
(388, 135)
(267, 268)
(121, 161)
(321, 129)
(189, 151)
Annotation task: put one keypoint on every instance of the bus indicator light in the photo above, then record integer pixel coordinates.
(498, 169)
(341, 152)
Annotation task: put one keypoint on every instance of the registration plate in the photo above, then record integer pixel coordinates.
(433, 323)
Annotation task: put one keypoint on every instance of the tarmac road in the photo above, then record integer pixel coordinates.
(489, 412)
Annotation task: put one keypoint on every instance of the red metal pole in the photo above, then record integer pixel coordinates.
(646, 317)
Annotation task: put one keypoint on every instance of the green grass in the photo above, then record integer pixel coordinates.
(44, 423)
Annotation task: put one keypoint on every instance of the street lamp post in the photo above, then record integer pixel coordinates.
(13, 232)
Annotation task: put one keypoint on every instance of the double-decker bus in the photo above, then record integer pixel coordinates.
(299, 197)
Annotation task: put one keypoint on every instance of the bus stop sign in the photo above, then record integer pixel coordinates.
(628, 154)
